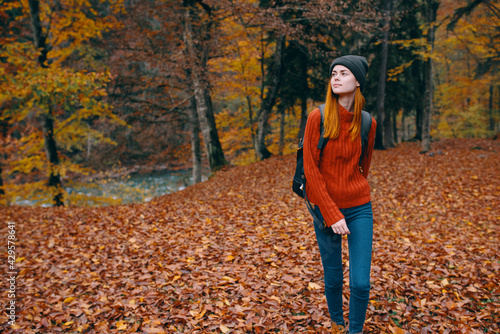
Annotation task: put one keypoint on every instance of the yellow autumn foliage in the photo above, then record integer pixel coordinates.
(73, 96)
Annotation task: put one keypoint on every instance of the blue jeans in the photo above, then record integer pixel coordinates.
(360, 223)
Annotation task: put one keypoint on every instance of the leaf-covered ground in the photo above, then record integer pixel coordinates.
(237, 254)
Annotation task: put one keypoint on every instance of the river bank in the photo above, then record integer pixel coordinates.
(136, 184)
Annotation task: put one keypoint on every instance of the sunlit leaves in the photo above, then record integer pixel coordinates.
(463, 91)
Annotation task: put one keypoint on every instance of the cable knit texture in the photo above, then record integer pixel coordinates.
(335, 181)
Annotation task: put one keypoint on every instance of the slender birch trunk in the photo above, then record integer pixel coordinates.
(203, 101)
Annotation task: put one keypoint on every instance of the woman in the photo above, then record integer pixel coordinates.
(338, 187)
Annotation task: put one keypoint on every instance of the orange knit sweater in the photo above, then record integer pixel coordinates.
(335, 181)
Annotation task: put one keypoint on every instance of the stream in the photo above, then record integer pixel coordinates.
(136, 188)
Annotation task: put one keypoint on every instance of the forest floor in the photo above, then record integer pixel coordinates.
(237, 254)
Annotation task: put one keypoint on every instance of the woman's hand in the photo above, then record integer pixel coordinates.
(340, 227)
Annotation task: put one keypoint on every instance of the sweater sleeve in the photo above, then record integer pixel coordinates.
(365, 165)
(316, 190)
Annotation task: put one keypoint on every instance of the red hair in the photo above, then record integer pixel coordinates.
(332, 115)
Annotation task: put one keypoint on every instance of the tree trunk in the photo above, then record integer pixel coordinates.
(39, 38)
(303, 98)
(195, 141)
(303, 117)
(268, 101)
(432, 7)
(419, 115)
(495, 127)
(250, 116)
(206, 117)
(491, 111)
(418, 90)
(389, 119)
(89, 147)
(426, 115)
(260, 143)
(403, 127)
(2, 191)
(384, 133)
(282, 129)
(4, 128)
(215, 154)
(54, 181)
(395, 127)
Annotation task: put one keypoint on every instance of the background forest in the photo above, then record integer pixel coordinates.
(91, 86)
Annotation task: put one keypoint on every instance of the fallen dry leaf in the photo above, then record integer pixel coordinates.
(313, 286)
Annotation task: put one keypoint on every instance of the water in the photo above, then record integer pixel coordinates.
(138, 188)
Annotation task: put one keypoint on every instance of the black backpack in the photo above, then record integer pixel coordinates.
(299, 179)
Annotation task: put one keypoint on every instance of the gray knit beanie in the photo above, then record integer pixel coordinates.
(356, 64)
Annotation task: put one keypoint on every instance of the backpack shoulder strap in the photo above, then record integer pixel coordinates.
(366, 124)
(322, 140)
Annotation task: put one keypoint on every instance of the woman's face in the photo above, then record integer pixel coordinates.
(343, 81)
